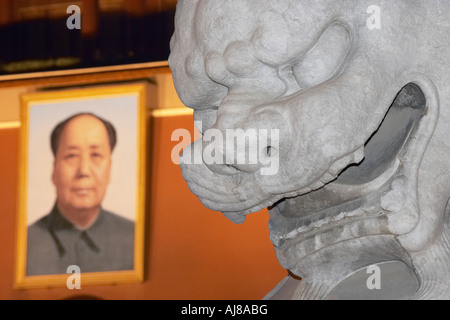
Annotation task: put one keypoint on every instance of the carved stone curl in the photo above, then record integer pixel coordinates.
(363, 116)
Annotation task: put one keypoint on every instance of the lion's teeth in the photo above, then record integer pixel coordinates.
(327, 177)
(317, 185)
(310, 223)
(311, 226)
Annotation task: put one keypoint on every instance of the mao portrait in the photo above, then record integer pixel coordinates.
(82, 201)
(78, 231)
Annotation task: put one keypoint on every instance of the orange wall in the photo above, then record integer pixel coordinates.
(190, 252)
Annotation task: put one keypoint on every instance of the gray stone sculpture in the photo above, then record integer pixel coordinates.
(360, 94)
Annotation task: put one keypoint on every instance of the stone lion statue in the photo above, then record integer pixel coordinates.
(359, 96)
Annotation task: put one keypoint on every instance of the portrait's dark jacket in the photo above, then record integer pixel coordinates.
(54, 244)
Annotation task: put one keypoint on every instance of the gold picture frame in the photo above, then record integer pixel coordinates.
(124, 106)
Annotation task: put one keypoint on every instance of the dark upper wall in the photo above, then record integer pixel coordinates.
(34, 35)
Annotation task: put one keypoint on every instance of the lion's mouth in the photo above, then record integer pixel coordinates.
(351, 202)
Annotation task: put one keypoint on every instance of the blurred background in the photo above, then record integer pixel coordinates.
(34, 35)
(190, 252)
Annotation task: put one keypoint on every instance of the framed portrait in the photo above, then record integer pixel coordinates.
(81, 200)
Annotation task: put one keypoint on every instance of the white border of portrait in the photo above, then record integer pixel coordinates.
(125, 106)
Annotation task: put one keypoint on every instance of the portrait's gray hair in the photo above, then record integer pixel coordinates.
(58, 130)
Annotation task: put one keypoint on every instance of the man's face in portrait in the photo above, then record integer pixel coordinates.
(82, 164)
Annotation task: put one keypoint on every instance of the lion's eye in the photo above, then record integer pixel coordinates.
(325, 57)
